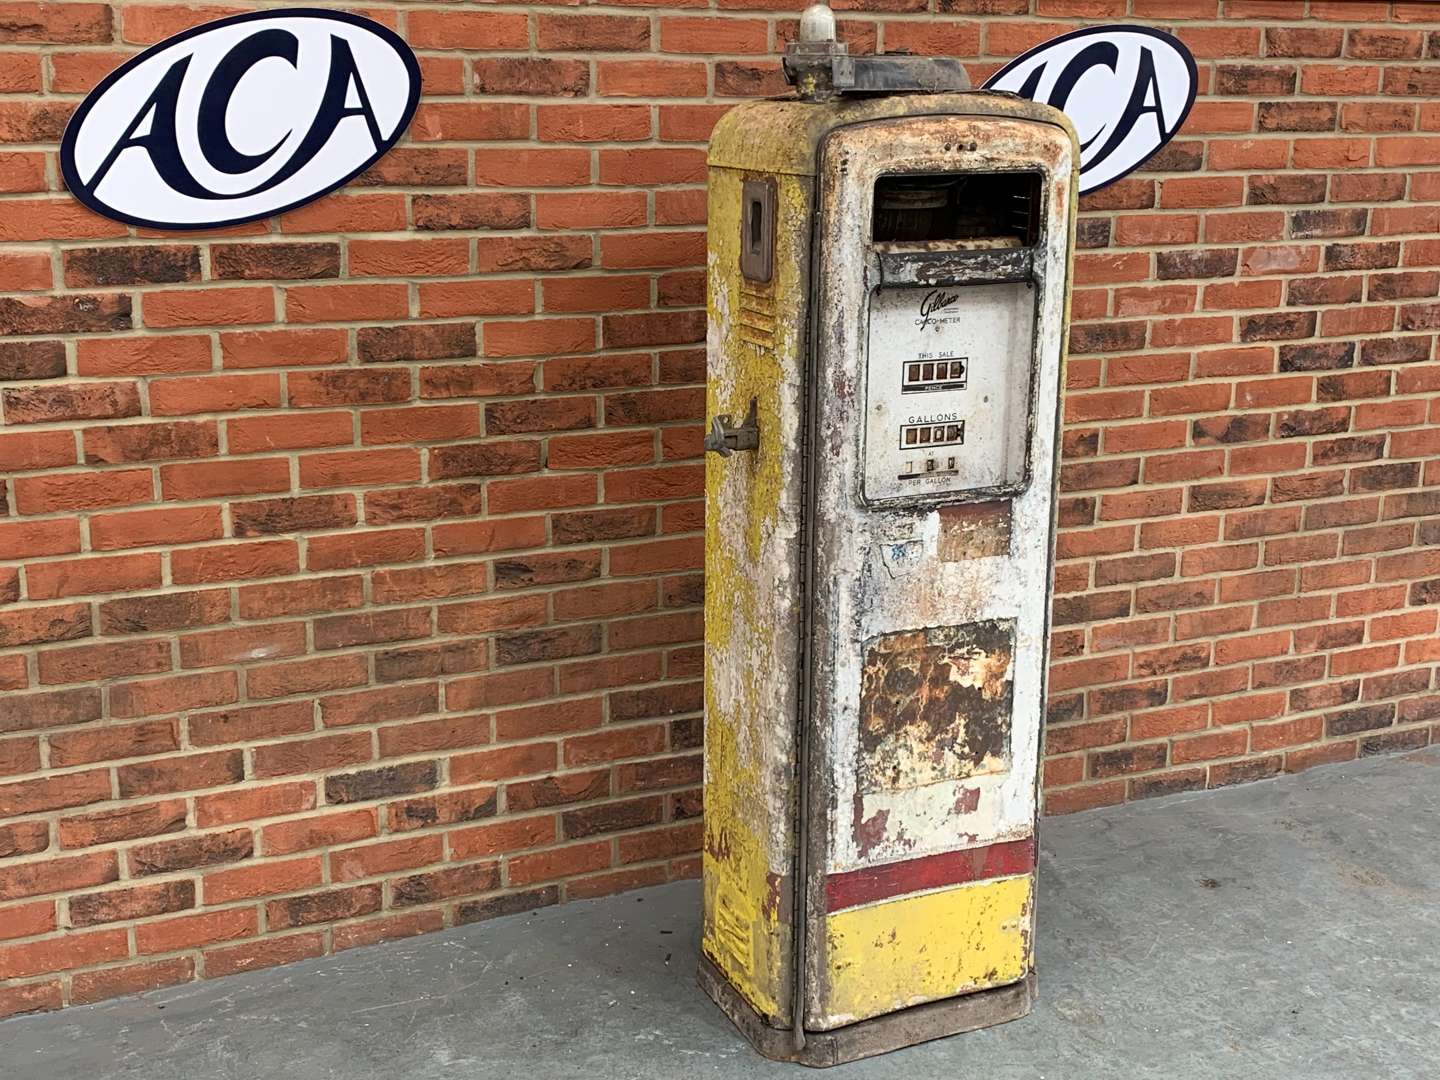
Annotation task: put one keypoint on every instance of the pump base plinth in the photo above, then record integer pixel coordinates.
(894, 1031)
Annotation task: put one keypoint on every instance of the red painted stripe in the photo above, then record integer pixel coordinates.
(873, 883)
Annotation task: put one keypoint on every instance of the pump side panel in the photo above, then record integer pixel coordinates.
(752, 595)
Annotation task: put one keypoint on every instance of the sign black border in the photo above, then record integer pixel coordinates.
(1111, 28)
(75, 186)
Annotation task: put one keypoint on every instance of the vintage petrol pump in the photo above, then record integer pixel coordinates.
(888, 277)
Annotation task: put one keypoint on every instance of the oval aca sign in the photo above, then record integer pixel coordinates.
(1127, 90)
(240, 119)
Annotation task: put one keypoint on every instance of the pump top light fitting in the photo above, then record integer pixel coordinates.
(820, 67)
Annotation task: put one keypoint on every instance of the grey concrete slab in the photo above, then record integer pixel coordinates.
(1286, 929)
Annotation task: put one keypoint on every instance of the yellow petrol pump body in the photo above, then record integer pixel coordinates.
(887, 290)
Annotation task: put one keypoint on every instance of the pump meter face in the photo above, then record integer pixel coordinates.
(947, 389)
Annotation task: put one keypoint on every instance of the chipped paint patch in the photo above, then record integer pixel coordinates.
(868, 831)
(975, 531)
(936, 705)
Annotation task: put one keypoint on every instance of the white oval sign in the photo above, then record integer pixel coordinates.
(1127, 90)
(240, 119)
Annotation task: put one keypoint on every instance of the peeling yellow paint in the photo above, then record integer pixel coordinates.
(752, 519)
(734, 869)
(929, 946)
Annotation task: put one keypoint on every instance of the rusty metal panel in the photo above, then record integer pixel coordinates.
(935, 705)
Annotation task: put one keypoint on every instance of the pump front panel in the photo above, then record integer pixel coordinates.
(942, 255)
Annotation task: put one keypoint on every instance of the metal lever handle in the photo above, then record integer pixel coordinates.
(726, 437)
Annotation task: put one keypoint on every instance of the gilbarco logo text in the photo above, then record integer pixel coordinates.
(240, 119)
(935, 301)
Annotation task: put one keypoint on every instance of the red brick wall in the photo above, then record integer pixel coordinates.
(349, 561)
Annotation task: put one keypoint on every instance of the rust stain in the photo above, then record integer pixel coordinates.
(975, 531)
(868, 831)
(717, 844)
(968, 801)
(776, 906)
(935, 705)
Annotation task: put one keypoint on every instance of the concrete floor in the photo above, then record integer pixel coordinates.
(1286, 929)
